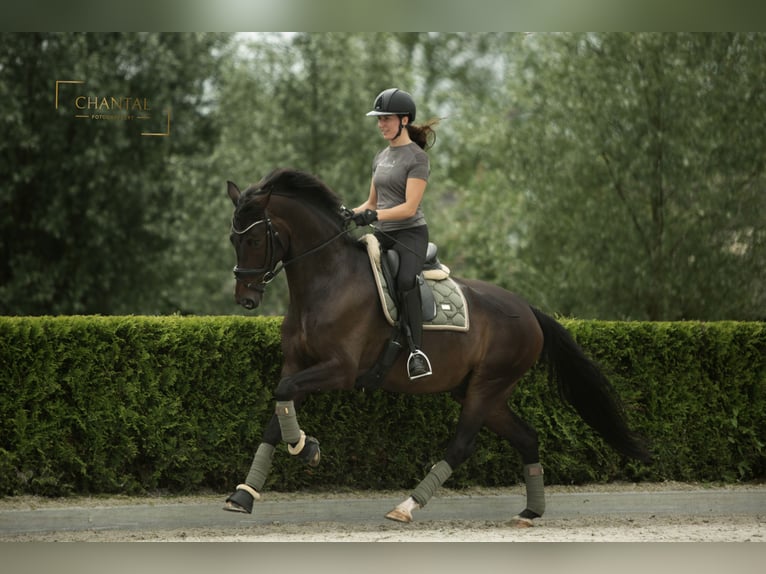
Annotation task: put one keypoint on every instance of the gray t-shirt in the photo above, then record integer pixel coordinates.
(390, 170)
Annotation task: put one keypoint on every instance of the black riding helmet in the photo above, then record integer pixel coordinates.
(392, 102)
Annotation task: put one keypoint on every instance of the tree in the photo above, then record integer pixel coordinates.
(600, 175)
(89, 208)
(639, 167)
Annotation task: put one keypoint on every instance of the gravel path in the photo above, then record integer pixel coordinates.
(666, 512)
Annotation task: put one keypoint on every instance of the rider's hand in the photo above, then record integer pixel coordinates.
(365, 217)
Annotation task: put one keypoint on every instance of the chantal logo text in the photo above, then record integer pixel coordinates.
(112, 104)
(115, 108)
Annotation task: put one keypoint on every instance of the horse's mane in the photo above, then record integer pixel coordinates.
(298, 185)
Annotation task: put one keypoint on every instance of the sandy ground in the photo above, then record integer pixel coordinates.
(601, 529)
(667, 512)
(734, 529)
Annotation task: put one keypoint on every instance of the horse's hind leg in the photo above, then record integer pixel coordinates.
(460, 448)
(507, 424)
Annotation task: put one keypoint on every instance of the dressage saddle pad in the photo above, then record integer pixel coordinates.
(451, 305)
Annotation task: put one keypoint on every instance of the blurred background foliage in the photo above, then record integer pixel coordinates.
(603, 175)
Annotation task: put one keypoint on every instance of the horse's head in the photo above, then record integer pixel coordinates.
(256, 244)
(309, 217)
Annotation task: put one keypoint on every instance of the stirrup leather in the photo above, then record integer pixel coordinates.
(418, 353)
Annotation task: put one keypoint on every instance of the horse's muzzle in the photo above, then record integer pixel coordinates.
(249, 303)
(248, 297)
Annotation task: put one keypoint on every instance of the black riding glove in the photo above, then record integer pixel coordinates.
(365, 217)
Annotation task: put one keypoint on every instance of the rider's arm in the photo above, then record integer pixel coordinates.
(413, 196)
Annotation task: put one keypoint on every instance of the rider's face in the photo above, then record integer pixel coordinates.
(389, 126)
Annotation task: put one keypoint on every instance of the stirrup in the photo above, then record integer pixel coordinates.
(418, 353)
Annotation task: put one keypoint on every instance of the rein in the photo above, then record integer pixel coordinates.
(275, 265)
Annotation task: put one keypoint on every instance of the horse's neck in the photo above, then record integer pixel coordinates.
(324, 273)
(315, 275)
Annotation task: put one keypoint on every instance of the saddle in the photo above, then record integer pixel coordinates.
(443, 303)
(389, 265)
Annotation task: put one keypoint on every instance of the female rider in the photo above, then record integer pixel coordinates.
(399, 178)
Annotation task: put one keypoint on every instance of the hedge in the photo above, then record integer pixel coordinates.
(144, 404)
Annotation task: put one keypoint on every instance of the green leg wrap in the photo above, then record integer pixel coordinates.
(533, 477)
(439, 473)
(261, 466)
(288, 422)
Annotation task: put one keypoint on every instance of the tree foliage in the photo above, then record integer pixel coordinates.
(89, 210)
(600, 175)
(639, 160)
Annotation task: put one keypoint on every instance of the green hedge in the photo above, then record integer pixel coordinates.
(137, 404)
(129, 404)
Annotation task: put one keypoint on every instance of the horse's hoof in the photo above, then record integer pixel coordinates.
(234, 507)
(524, 519)
(310, 454)
(400, 515)
(521, 522)
(242, 499)
(403, 511)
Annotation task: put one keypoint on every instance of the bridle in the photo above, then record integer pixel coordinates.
(267, 272)
(275, 263)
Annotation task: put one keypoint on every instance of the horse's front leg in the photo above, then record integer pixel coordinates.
(328, 375)
(284, 424)
(242, 499)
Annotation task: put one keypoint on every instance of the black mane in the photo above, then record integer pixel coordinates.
(295, 184)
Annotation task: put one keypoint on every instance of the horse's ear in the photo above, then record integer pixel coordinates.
(234, 192)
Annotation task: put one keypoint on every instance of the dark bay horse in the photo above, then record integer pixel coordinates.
(334, 331)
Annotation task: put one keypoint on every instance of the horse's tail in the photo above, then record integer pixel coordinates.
(582, 384)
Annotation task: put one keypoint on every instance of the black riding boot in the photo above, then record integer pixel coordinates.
(418, 364)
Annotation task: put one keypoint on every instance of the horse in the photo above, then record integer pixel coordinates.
(292, 222)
